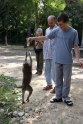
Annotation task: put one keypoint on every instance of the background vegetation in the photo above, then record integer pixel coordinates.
(20, 18)
(9, 98)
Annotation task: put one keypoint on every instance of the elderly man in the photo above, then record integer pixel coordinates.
(66, 37)
(48, 52)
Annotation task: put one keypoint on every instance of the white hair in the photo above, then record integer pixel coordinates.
(39, 29)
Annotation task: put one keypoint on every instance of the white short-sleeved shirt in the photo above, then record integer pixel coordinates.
(48, 47)
(65, 40)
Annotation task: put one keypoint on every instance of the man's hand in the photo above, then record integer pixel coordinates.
(29, 39)
(77, 53)
(80, 63)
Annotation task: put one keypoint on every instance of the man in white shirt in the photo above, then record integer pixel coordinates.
(48, 51)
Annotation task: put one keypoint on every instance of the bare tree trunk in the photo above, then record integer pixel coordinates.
(5, 32)
(28, 33)
(6, 37)
(36, 17)
(36, 23)
(82, 38)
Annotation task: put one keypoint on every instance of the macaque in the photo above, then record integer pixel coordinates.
(27, 76)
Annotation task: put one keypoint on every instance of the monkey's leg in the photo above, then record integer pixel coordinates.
(23, 93)
(29, 88)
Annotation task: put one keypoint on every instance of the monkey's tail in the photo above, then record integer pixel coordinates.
(18, 86)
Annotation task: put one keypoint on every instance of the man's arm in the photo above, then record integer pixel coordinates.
(77, 54)
(41, 38)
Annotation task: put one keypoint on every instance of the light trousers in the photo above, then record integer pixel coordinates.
(49, 71)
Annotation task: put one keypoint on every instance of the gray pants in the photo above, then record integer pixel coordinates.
(49, 71)
(39, 59)
(63, 80)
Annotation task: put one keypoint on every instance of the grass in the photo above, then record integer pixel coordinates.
(61, 122)
(8, 98)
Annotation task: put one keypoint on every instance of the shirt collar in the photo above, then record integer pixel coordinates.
(53, 27)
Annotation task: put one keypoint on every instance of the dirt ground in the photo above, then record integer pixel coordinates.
(11, 60)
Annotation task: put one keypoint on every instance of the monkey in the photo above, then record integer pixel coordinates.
(27, 76)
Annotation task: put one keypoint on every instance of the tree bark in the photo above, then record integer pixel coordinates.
(36, 17)
(6, 37)
(28, 33)
(82, 38)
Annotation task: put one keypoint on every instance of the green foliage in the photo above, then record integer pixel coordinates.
(16, 19)
(7, 79)
(49, 7)
(61, 122)
(8, 97)
(19, 18)
(6, 89)
(74, 8)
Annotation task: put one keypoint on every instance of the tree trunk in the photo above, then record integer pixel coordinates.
(82, 38)
(28, 33)
(36, 17)
(6, 37)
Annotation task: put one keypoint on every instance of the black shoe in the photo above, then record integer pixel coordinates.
(56, 100)
(39, 73)
(68, 102)
(36, 73)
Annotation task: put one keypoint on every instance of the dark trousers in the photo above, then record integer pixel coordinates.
(39, 59)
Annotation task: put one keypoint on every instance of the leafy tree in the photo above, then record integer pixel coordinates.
(74, 8)
(19, 19)
(4, 17)
(49, 7)
(14, 18)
